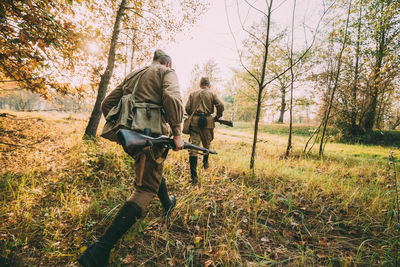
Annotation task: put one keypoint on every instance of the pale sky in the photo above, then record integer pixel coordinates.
(211, 37)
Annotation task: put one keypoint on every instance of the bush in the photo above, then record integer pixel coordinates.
(382, 138)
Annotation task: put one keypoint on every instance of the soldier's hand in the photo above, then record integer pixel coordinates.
(178, 142)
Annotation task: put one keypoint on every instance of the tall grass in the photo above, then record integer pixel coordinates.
(59, 195)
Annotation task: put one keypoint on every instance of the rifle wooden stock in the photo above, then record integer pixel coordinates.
(225, 122)
(134, 142)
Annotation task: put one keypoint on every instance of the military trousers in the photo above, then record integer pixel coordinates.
(152, 176)
(203, 136)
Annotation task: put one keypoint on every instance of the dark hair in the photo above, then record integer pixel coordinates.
(204, 81)
(164, 59)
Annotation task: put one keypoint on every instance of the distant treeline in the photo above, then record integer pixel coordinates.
(21, 100)
(376, 137)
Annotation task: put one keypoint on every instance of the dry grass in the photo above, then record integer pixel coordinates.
(58, 195)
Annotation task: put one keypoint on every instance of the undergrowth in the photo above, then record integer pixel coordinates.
(59, 194)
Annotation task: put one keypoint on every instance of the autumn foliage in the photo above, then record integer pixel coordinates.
(37, 44)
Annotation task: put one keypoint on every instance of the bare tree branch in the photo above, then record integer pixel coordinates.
(237, 48)
(279, 5)
(308, 48)
(251, 5)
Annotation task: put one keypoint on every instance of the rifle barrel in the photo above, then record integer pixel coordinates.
(133, 142)
(225, 122)
(191, 146)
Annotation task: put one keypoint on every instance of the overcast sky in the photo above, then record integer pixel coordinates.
(211, 37)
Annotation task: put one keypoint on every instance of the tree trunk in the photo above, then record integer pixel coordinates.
(328, 111)
(283, 105)
(395, 124)
(371, 113)
(133, 49)
(258, 112)
(354, 128)
(261, 87)
(94, 120)
(289, 145)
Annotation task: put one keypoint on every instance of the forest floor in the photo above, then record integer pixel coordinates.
(58, 193)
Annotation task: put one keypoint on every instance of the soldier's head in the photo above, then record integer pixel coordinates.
(161, 57)
(204, 82)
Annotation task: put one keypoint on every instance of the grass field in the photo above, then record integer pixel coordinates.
(59, 193)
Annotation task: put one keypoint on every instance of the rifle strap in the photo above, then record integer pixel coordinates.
(139, 169)
(200, 153)
(140, 163)
(161, 158)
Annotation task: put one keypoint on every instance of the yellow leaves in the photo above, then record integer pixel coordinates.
(195, 216)
(82, 249)
(197, 241)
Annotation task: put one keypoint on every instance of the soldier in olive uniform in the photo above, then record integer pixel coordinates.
(158, 85)
(202, 103)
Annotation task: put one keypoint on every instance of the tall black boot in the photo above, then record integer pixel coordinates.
(98, 253)
(193, 169)
(205, 162)
(167, 202)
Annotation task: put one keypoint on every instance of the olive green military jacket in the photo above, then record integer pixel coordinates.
(158, 85)
(206, 100)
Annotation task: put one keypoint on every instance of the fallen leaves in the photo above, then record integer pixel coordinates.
(129, 258)
(324, 242)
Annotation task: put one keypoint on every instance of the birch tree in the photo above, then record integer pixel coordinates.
(171, 20)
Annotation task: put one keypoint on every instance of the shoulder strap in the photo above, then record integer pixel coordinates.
(140, 73)
(198, 105)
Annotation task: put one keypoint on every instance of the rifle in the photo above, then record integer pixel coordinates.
(224, 122)
(134, 142)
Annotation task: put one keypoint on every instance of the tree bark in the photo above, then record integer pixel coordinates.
(258, 112)
(261, 87)
(328, 111)
(354, 128)
(133, 48)
(371, 113)
(95, 117)
(289, 145)
(395, 124)
(283, 105)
